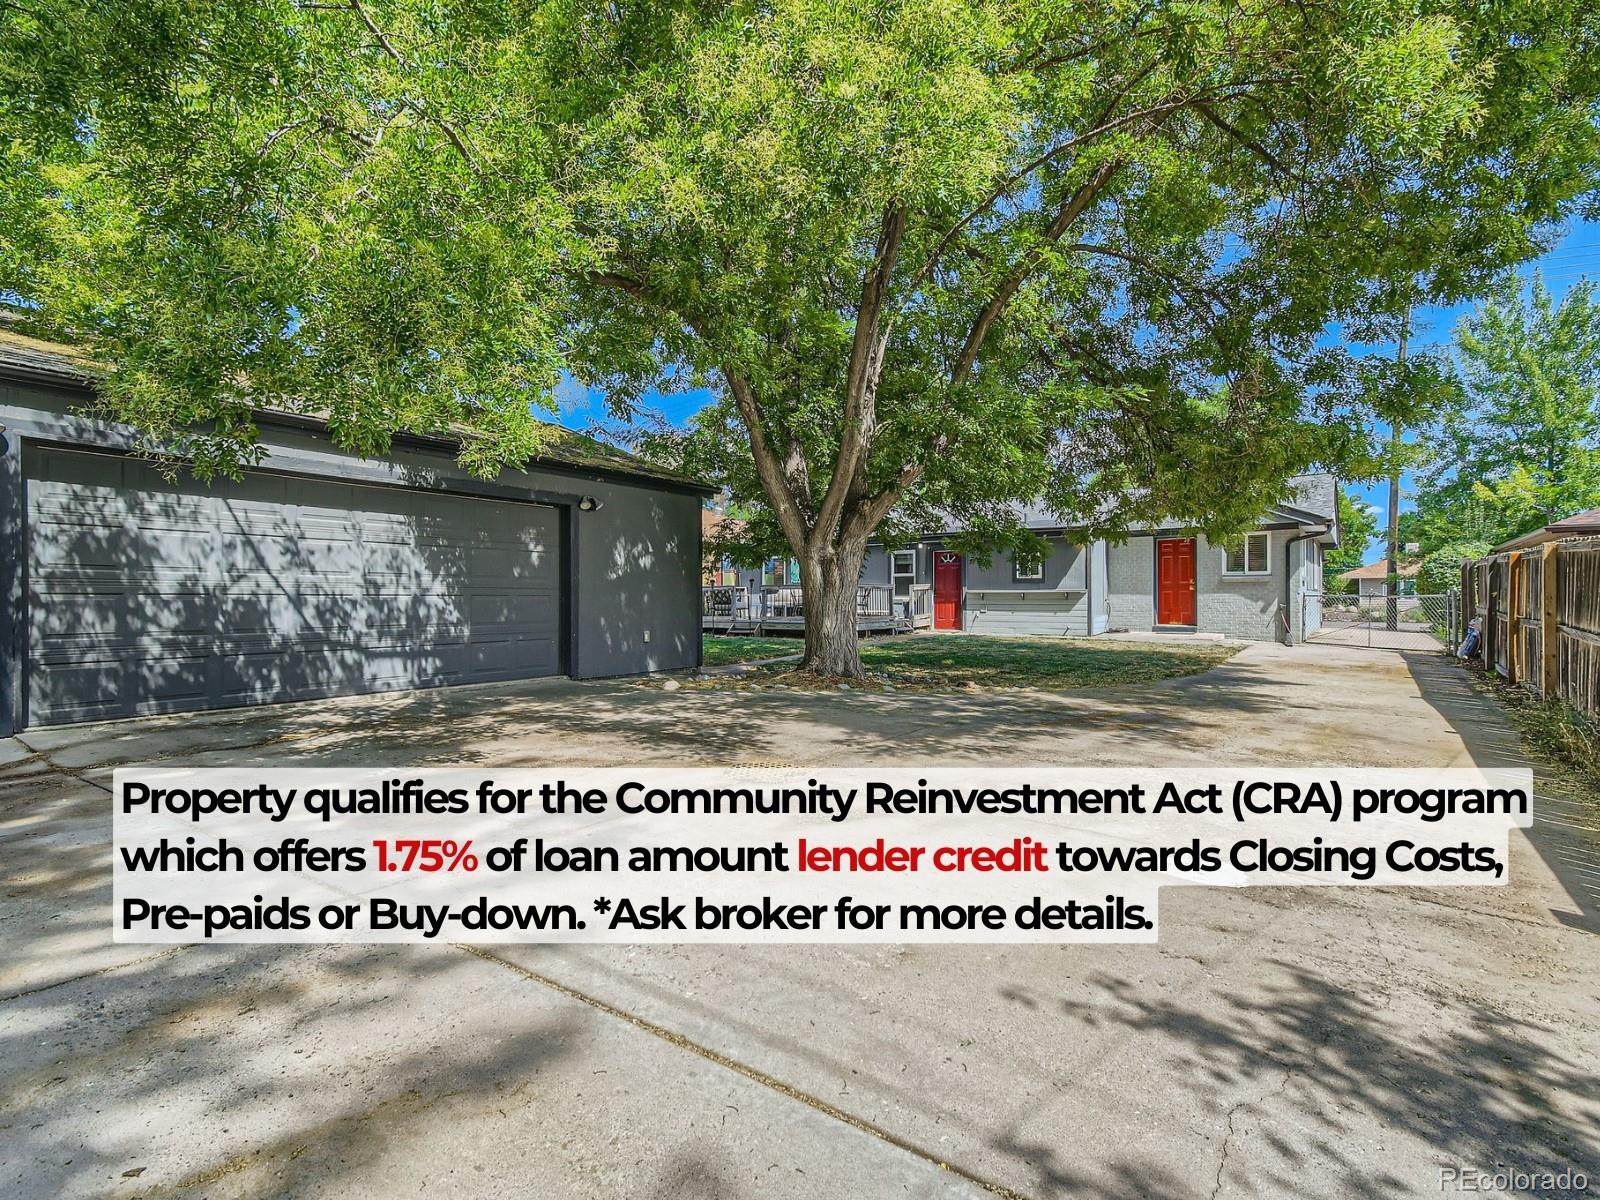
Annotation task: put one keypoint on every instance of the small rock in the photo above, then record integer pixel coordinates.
(888, 687)
(970, 686)
(671, 685)
(133, 1174)
(845, 687)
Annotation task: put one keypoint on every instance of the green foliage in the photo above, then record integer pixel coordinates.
(1441, 567)
(1358, 525)
(929, 258)
(1557, 730)
(1520, 447)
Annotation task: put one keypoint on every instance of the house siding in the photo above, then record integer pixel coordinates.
(1056, 605)
(1094, 589)
(633, 563)
(1237, 607)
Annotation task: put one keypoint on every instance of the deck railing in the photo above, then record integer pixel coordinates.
(919, 606)
(729, 608)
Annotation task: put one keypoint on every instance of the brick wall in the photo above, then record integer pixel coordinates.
(1244, 607)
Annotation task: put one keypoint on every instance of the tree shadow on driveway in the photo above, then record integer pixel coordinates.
(1314, 1085)
(1565, 829)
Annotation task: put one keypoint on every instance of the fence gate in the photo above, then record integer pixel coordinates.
(1390, 622)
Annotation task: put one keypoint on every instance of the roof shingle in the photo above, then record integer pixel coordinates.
(37, 360)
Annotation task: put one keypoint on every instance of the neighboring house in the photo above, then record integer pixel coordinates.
(1265, 588)
(1373, 579)
(1585, 524)
(715, 571)
(319, 573)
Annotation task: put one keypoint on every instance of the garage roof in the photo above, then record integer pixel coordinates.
(1583, 524)
(36, 360)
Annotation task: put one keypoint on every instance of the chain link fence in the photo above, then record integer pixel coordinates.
(1425, 622)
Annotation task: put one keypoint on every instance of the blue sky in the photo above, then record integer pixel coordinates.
(1574, 257)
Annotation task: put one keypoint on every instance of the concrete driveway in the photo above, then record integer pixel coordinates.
(1323, 1042)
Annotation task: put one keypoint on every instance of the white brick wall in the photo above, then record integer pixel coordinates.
(1131, 583)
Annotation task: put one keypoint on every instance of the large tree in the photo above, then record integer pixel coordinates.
(928, 257)
(1519, 446)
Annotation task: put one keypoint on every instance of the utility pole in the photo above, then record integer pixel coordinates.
(1392, 584)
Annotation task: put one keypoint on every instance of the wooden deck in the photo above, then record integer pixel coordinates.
(779, 610)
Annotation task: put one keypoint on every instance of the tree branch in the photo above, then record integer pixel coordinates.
(451, 133)
(1069, 212)
(383, 38)
(1182, 287)
(1042, 60)
(785, 507)
(1103, 127)
(1249, 143)
(865, 368)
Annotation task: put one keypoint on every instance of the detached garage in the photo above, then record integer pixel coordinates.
(319, 574)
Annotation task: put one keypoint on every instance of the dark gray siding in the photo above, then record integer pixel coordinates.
(633, 562)
(638, 578)
(148, 595)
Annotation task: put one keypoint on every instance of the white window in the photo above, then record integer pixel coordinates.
(1023, 573)
(1247, 557)
(903, 571)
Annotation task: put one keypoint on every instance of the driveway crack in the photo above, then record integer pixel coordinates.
(105, 970)
(44, 756)
(1227, 1142)
(754, 1074)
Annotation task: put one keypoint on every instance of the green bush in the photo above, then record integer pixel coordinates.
(1441, 568)
(1557, 729)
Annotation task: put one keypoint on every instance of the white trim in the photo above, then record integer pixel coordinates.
(895, 576)
(1266, 538)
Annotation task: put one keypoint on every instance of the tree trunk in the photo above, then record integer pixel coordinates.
(829, 579)
(1391, 620)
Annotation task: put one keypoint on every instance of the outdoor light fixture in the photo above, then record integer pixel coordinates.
(588, 504)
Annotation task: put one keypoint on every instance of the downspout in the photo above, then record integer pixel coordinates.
(1288, 620)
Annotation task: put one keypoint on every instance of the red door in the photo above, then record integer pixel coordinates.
(946, 590)
(1175, 591)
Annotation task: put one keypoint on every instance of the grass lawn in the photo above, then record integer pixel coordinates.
(937, 662)
(951, 661)
(721, 650)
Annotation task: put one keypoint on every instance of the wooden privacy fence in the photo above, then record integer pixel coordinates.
(1539, 611)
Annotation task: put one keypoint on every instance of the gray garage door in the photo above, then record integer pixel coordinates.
(151, 596)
